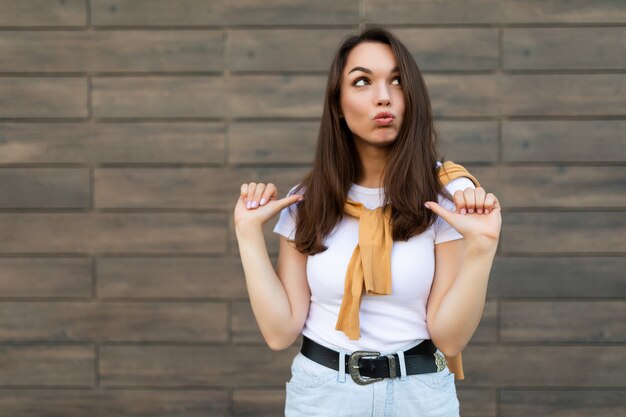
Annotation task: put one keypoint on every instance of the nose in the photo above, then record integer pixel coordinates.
(384, 98)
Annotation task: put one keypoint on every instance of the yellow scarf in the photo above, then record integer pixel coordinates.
(370, 264)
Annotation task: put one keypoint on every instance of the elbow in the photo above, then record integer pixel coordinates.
(449, 349)
(280, 343)
(277, 346)
(450, 352)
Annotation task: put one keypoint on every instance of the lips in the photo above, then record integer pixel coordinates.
(384, 118)
(384, 115)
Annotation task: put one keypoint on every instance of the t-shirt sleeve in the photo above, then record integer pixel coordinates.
(443, 231)
(286, 224)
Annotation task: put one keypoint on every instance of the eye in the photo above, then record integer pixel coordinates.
(398, 78)
(355, 83)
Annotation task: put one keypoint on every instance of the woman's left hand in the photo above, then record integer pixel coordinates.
(477, 215)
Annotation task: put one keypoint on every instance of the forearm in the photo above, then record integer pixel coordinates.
(461, 309)
(269, 300)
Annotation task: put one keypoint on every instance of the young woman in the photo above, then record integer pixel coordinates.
(381, 267)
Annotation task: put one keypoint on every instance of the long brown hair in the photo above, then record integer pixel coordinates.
(410, 171)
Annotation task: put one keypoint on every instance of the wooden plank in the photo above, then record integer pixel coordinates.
(476, 402)
(43, 365)
(563, 321)
(49, 188)
(237, 96)
(494, 12)
(170, 278)
(112, 232)
(111, 51)
(559, 402)
(311, 49)
(183, 187)
(564, 141)
(137, 142)
(258, 403)
(272, 142)
(557, 186)
(558, 277)
(581, 48)
(452, 49)
(244, 326)
(554, 232)
(105, 403)
(537, 95)
(43, 97)
(234, 12)
(113, 322)
(48, 13)
(469, 141)
(221, 366)
(544, 366)
(45, 277)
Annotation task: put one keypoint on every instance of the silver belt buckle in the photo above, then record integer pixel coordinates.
(353, 367)
(440, 361)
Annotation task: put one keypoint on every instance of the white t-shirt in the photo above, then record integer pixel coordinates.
(387, 322)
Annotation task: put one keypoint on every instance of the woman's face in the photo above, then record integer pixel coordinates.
(370, 85)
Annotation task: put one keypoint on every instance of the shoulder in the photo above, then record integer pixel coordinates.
(295, 188)
(460, 183)
(456, 184)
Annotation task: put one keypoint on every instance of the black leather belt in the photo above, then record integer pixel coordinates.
(366, 367)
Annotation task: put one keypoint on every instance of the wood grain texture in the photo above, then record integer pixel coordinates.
(45, 277)
(182, 187)
(545, 366)
(50, 97)
(558, 277)
(105, 403)
(45, 188)
(112, 232)
(111, 51)
(564, 48)
(599, 141)
(128, 126)
(499, 12)
(555, 186)
(553, 232)
(121, 143)
(556, 403)
(187, 97)
(563, 321)
(51, 13)
(113, 321)
(215, 366)
(528, 95)
(163, 277)
(217, 13)
(53, 366)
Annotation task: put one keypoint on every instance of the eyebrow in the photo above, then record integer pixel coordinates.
(368, 71)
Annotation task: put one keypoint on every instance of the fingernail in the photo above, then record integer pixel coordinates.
(248, 204)
(263, 201)
(254, 204)
(479, 211)
(471, 211)
(486, 211)
(463, 211)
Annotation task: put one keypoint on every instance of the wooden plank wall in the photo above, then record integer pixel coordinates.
(126, 128)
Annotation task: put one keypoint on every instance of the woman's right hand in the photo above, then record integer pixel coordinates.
(249, 212)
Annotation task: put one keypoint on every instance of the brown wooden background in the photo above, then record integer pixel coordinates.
(127, 127)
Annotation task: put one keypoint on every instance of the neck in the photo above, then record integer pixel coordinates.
(373, 160)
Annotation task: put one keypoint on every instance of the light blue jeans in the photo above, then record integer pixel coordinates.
(317, 391)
